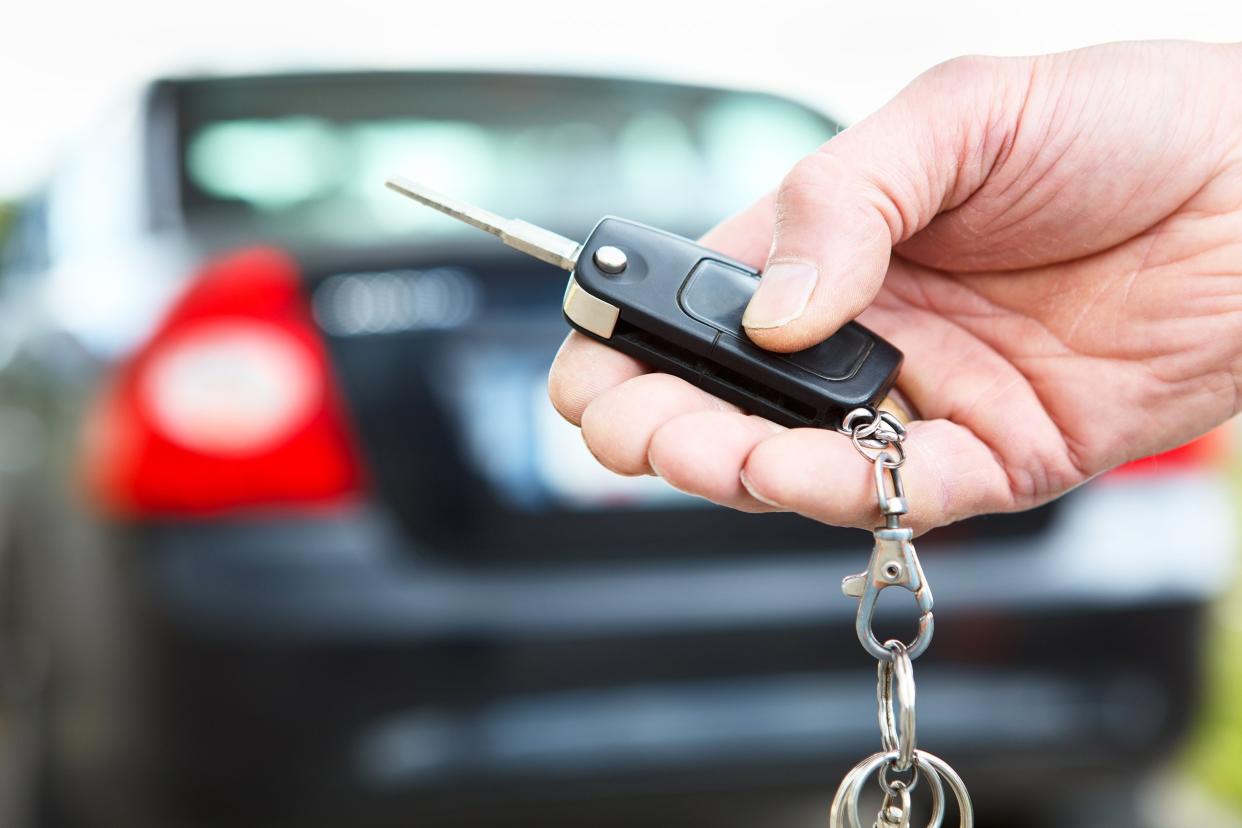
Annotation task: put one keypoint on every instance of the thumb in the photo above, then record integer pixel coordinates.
(841, 209)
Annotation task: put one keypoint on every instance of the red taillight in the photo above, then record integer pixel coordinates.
(230, 405)
(1212, 449)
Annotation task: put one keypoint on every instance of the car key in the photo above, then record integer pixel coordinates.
(677, 306)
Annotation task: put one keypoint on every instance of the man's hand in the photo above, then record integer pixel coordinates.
(1054, 242)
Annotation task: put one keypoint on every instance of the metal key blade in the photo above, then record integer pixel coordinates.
(532, 240)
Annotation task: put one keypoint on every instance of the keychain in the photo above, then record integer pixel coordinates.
(878, 437)
(678, 307)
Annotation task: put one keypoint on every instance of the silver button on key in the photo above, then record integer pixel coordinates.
(610, 259)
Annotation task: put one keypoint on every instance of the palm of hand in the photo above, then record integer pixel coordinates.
(1069, 342)
(1068, 369)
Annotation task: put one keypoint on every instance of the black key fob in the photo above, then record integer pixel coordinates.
(678, 307)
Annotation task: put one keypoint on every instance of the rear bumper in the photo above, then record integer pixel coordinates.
(303, 674)
(237, 735)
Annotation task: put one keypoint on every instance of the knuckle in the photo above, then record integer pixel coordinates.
(978, 89)
(802, 187)
(964, 69)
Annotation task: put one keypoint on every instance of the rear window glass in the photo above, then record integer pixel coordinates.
(307, 157)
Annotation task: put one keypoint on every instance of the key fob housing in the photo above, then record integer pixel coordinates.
(678, 307)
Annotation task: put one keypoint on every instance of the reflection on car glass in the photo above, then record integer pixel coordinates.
(317, 175)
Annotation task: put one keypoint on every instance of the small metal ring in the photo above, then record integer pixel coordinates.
(890, 459)
(885, 435)
(873, 452)
(895, 693)
(862, 438)
(894, 424)
(889, 427)
(902, 795)
(882, 431)
(891, 786)
(844, 811)
(865, 432)
(886, 425)
(918, 646)
(847, 422)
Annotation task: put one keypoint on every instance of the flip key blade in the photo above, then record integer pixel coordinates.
(528, 238)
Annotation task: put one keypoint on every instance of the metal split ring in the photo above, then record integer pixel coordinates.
(888, 425)
(874, 432)
(895, 695)
(844, 812)
(895, 814)
(873, 451)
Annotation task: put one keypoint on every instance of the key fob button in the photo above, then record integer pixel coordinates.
(836, 359)
(615, 264)
(717, 293)
(610, 259)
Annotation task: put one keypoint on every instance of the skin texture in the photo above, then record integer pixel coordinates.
(1054, 242)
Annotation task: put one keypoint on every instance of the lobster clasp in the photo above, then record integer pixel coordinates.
(894, 563)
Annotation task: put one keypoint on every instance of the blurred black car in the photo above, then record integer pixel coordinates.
(289, 534)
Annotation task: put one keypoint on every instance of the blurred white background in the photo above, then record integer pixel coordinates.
(63, 63)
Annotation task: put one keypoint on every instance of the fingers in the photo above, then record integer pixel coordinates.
(584, 369)
(840, 210)
(655, 423)
(948, 475)
(618, 425)
(701, 453)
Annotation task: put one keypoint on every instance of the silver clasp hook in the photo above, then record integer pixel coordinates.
(893, 563)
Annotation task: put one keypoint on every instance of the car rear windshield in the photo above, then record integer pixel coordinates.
(306, 156)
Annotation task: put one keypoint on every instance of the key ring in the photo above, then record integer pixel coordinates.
(844, 811)
(895, 694)
(882, 427)
(882, 433)
(878, 437)
(895, 815)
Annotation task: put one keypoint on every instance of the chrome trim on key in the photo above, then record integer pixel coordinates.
(589, 312)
